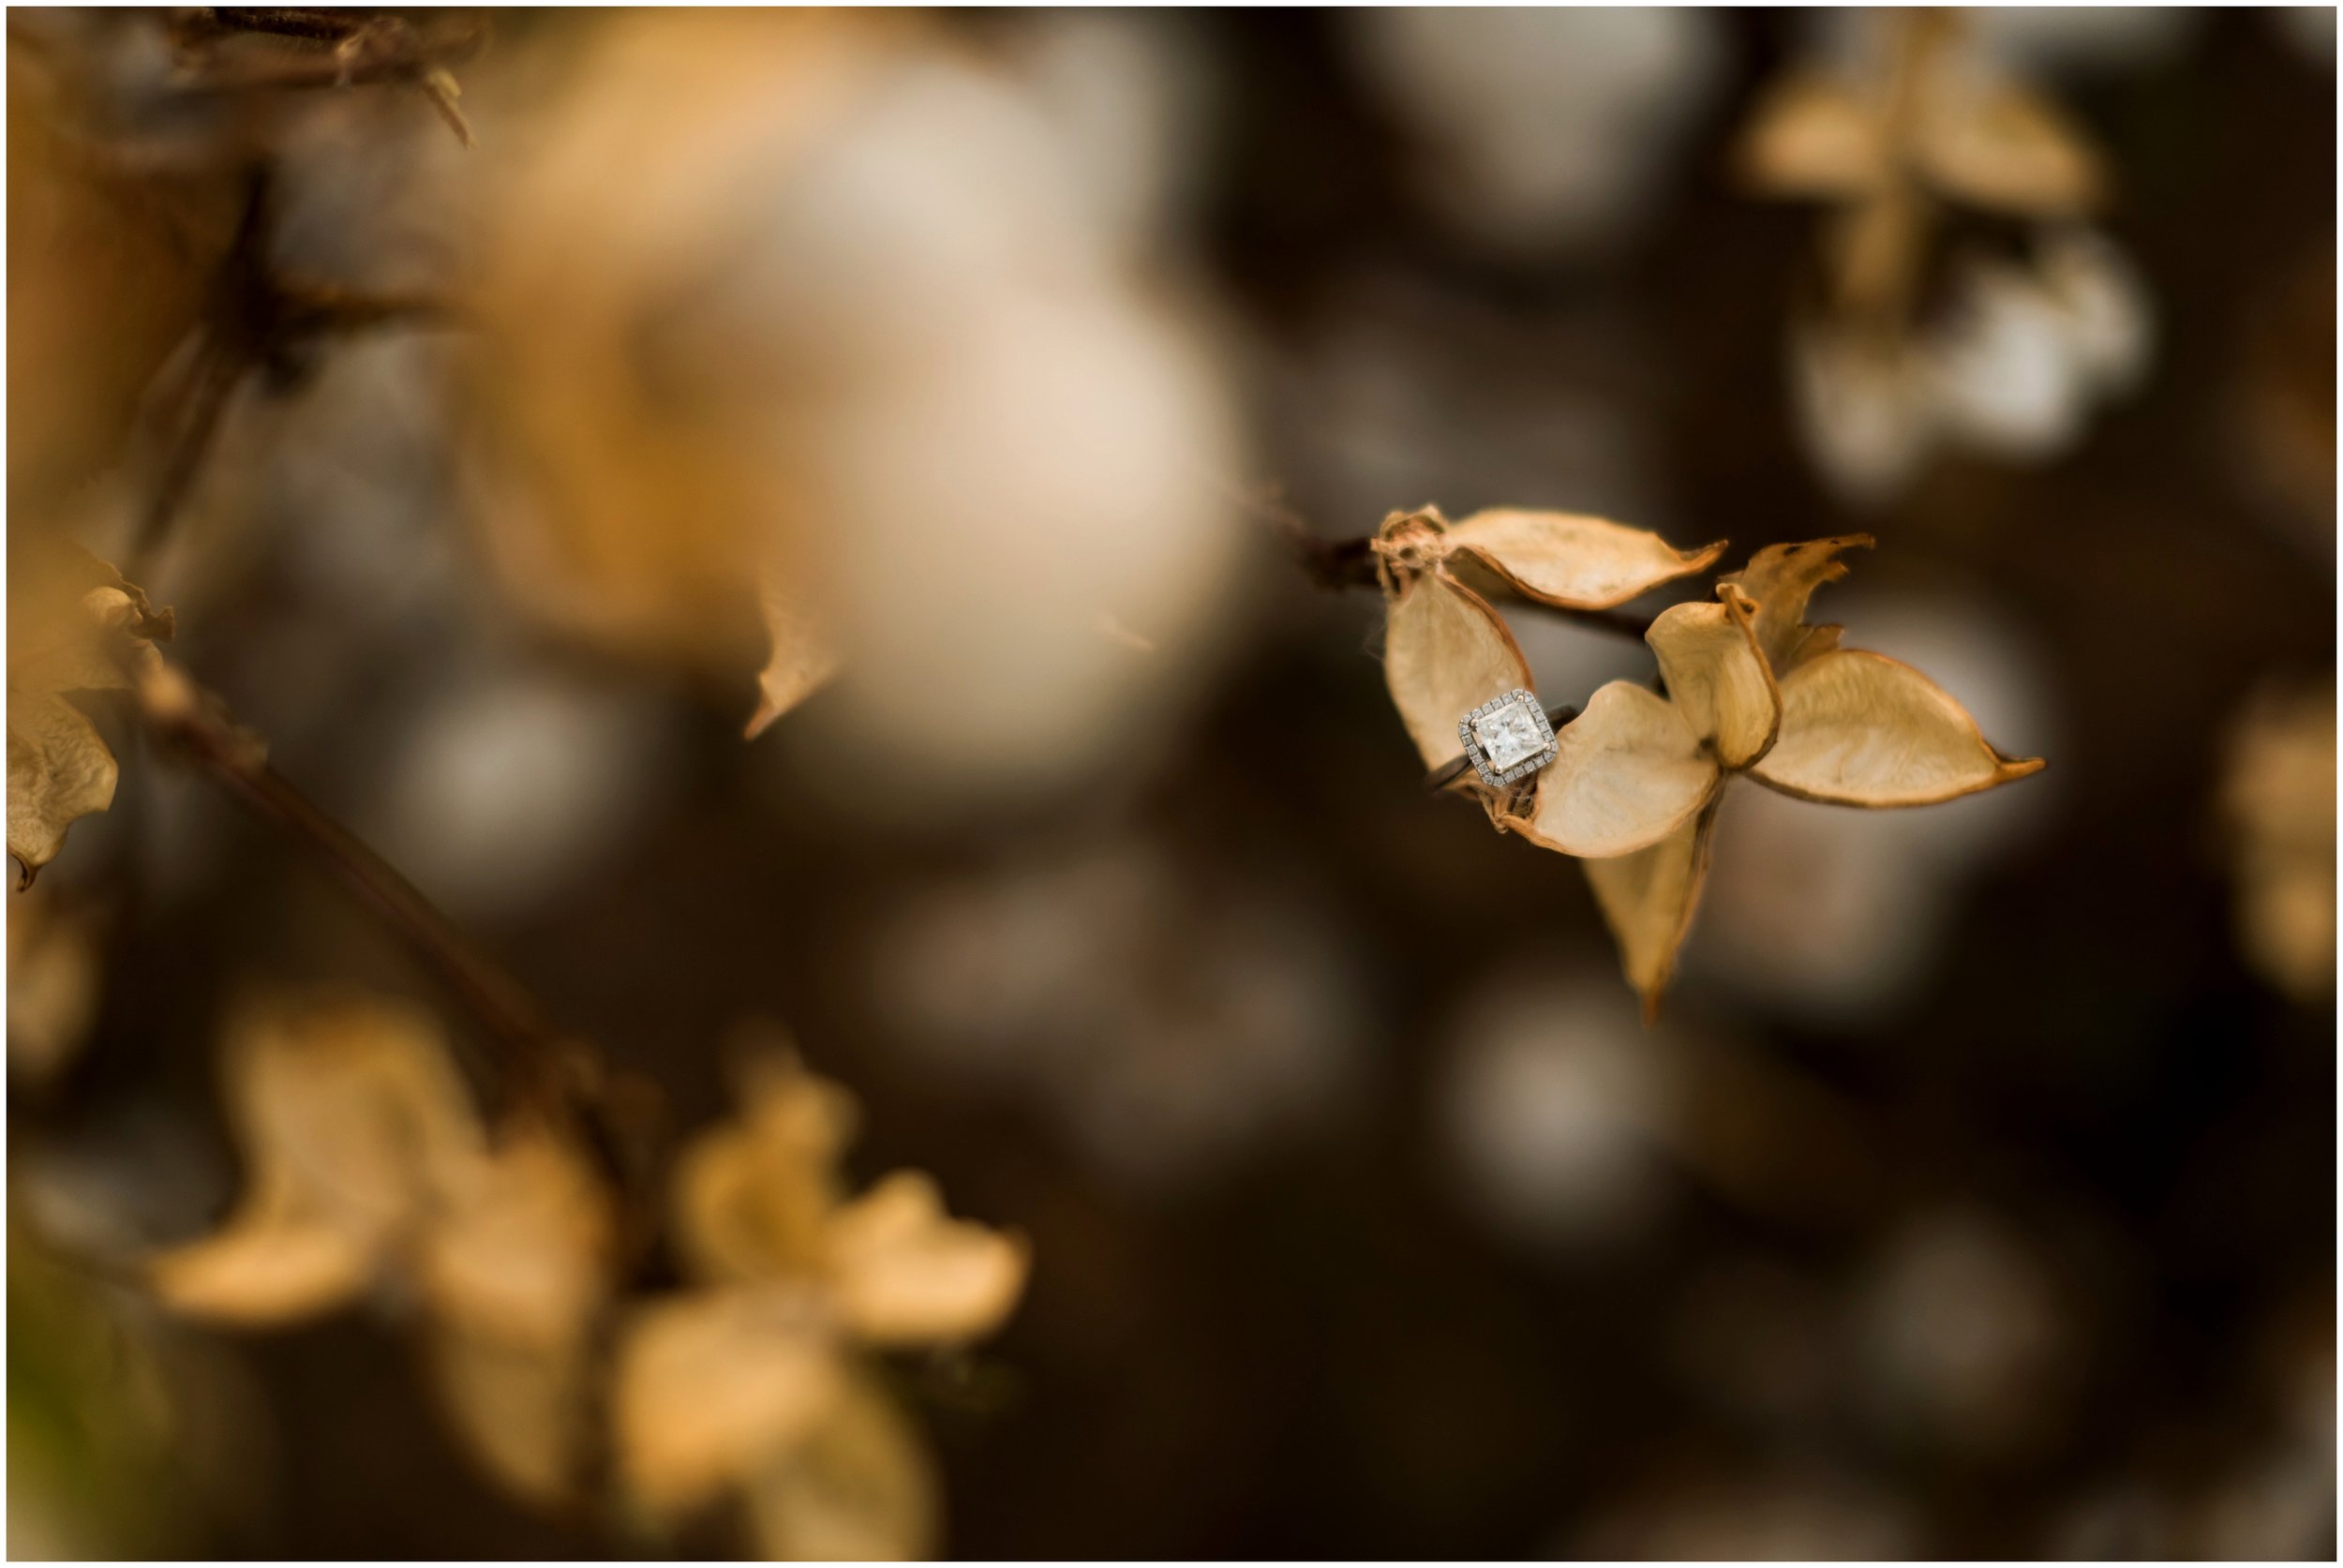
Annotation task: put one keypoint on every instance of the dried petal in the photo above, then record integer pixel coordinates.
(59, 772)
(1446, 653)
(72, 621)
(2002, 148)
(1858, 729)
(908, 1273)
(1779, 581)
(753, 1198)
(861, 1491)
(803, 658)
(1576, 562)
(712, 1388)
(350, 1116)
(1629, 772)
(1648, 899)
(272, 1264)
(523, 1410)
(1717, 679)
(520, 1248)
(1814, 137)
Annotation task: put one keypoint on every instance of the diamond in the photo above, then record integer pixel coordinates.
(1512, 732)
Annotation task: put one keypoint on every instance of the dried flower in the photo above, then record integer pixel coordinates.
(368, 1172)
(1750, 688)
(755, 1381)
(74, 626)
(2016, 354)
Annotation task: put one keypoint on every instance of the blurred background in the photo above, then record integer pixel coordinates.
(1974, 1196)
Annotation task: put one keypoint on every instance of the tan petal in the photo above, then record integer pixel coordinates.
(1576, 562)
(1445, 654)
(802, 660)
(520, 1248)
(1628, 772)
(713, 1387)
(522, 1409)
(347, 1113)
(1716, 678)
(1779, 581)
(1813, 137)
(269, 1265)
(2002, 148)
(861, 1491)
(1858, 729)
(908, 1273)
(753, 1198)
(59, 772)
(1648, 899)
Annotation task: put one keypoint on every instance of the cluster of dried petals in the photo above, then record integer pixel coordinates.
(1750, 688)
(370, 1175)
(2027, 348)
(756, 1381)
(74, 626)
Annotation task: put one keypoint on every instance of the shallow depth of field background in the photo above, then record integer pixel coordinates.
(1973, 1196)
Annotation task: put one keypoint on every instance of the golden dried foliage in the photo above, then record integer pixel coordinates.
(54, 976)
(2277, 817)
(74, 626)
(1749, 689)
(758, 1381)
(367, 1168)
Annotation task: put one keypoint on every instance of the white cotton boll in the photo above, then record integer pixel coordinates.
(1550, 1103)
(2006, 375)
(514, 788)
(2108, 319)
(1031, 548)
(1864, 410)
(1129, 96)
(1541, 128)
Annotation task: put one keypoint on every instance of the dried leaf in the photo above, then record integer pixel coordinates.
(59, 772)
(1446, 652)
(2002, 148)
(908, 1273)
(1813, 137)
(862, 1491)
(1860, 729)
(713, 1387)
(1717, 679)
(803, 658)
(1648, 899)
(754, 1199)
(1573, 561)
(1779, 581)
(1629, 772)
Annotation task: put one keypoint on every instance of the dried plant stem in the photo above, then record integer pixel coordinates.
(539, 1066)
(1334, 564)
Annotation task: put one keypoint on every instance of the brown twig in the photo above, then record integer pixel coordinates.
(540, 1067)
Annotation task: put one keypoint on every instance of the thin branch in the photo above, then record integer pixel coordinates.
(542, 1067)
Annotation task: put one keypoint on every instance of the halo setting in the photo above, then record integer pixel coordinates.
(1507, 737)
